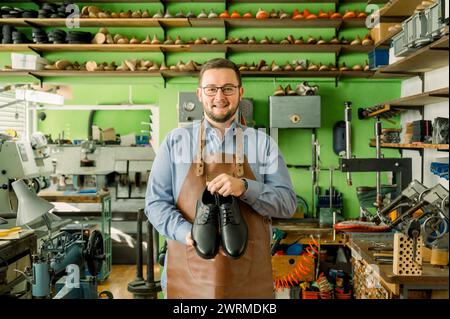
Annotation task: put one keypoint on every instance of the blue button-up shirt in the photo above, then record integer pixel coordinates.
(271, 194)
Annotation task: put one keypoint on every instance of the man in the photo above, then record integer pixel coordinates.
(209, 154)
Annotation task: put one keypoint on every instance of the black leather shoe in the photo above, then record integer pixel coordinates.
(233, 228)
(205, 230)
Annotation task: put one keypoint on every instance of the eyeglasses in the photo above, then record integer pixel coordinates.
(227, 90)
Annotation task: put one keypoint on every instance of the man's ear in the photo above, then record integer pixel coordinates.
(199, 94)
(241, 93)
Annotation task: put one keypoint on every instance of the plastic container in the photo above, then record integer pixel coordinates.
(434, 17)
(378, 58)
(421, 37)
(21, 61)
(399, 45)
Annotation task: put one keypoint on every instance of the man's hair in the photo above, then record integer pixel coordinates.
(219, 63)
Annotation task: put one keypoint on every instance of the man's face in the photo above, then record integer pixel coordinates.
(220, 107)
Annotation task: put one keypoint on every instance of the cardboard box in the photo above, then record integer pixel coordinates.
(380, 31)
(21, 61)
(96, 134)
(108, 134)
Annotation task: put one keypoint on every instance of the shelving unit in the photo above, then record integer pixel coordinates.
(325, 48)
(433, 56)
(172, 74)
(190, 22)
(399, 9)
(414, 102)
(164, 23)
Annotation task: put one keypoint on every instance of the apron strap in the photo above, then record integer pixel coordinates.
(239, 152)
(200, 165)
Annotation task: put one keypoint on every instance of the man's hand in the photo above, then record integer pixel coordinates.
(189, 241)
(226, 185)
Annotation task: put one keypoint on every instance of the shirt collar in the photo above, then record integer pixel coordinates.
(232, 127)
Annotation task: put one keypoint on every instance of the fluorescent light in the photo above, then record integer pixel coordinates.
(39, 97)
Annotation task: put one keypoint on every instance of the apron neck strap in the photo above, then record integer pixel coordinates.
(200, 165)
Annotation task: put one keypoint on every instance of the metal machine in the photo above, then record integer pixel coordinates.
(67, 253)
(22, 160)
(88, 165)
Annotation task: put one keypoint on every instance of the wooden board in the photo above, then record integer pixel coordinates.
(405, 263)
(440, 147)
(400, 8)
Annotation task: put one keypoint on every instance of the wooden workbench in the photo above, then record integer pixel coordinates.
(59, 196)
(432, 278)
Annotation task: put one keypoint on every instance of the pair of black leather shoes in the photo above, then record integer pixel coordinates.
(218, 220)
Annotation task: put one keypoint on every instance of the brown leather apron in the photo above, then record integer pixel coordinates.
(189, 275)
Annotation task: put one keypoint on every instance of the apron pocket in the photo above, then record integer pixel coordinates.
(220, 271)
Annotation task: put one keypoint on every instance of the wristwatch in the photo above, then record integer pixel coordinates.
(245, 184)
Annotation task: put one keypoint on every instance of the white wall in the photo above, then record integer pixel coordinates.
(433, 80)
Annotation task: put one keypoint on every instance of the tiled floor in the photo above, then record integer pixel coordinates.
(120, 276)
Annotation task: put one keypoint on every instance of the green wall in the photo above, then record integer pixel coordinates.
(295, 144)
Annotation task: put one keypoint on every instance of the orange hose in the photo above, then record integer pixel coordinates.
(301, 270)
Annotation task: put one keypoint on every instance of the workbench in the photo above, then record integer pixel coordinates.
(303, 229)
(15, 253)
(103, 199)
(376, 280)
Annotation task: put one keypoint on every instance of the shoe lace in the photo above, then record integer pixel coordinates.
(227, 215)
(206, 216)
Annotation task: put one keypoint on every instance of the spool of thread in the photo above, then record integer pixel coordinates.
(439, 257)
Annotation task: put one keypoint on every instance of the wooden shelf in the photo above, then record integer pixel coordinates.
(399, 8)
(171, 74)
(414, 146)
(192, 22)
(428, 58)
(332, 48)
(217, 1)
(414, 101)
(387, 40)
(106, 22)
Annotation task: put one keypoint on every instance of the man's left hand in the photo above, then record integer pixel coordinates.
(226, 185)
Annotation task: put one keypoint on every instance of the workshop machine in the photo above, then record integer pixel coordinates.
(59, 253)
(91, 166)
(22, 160)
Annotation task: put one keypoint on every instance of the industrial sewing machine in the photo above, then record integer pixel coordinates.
(24, 167)
(66, 263)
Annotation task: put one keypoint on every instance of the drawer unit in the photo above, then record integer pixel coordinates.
(294, 111)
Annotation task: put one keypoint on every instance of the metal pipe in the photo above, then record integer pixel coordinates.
(150, 271)
(313, 171)
(378, 156)
(139, 246)
(348, 136)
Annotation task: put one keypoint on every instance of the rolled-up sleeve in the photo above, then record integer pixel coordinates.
(159, 200)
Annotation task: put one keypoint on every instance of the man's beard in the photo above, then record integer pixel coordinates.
(221, 118)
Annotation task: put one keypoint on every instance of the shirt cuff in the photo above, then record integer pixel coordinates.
(182, 231)
(253, 191)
